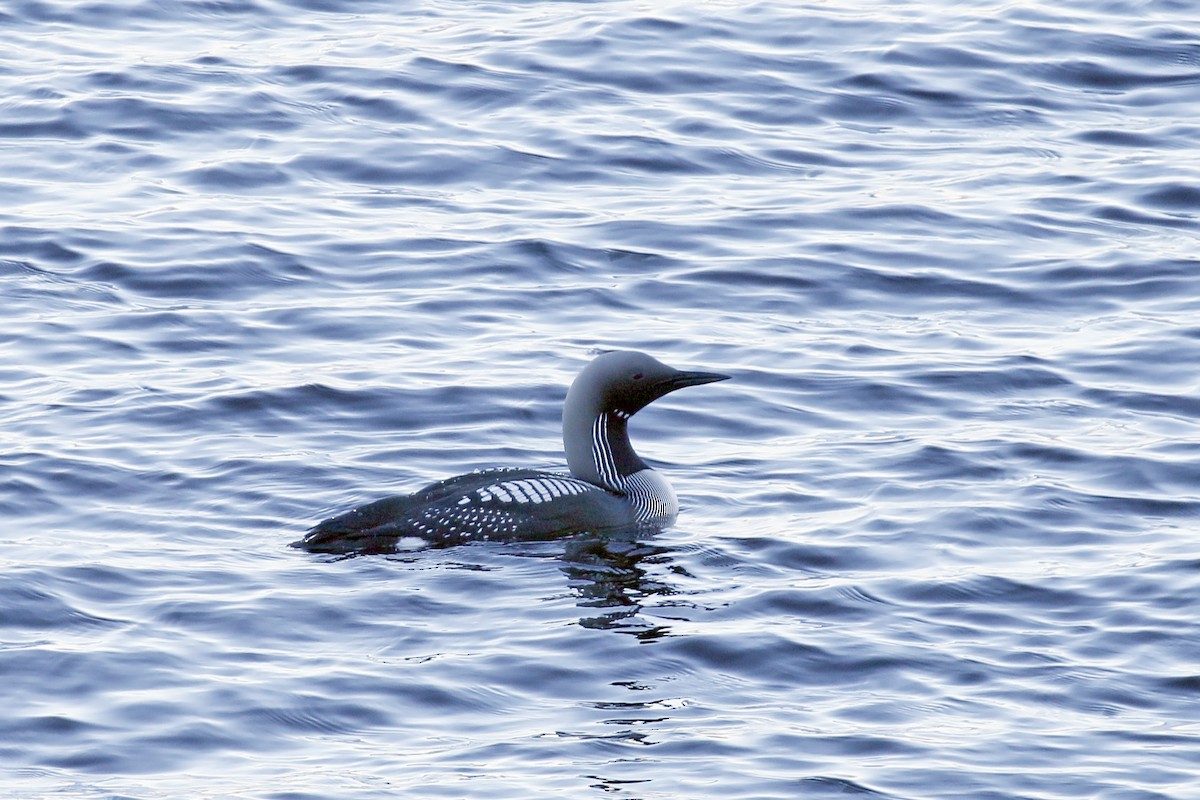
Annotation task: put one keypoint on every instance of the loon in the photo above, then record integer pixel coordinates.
(609, 487)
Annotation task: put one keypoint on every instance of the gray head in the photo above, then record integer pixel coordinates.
(610, 390)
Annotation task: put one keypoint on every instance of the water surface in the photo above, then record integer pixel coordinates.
(261, 261)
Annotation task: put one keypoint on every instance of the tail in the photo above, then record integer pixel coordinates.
(373, 528)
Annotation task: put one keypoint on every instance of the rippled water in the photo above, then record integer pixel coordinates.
(263, 260)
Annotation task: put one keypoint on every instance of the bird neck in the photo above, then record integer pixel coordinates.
(598, 449)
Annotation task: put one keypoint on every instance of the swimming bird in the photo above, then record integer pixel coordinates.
(609, 488)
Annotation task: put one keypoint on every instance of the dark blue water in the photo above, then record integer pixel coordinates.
(262, 260)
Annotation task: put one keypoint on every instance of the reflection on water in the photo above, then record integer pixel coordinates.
(607, 575)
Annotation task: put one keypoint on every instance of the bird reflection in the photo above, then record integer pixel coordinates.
(611, 576)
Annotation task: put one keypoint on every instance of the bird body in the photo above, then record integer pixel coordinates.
(609, 487)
